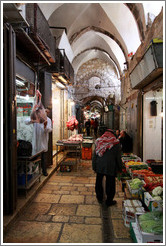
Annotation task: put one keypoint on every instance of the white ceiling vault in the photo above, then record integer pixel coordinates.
(105, 31)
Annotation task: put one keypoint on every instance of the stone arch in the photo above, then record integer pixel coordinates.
(138, 13)
(75, 36)
(102, 50)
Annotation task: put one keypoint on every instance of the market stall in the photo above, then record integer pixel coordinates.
(70, 146)
(143, 204)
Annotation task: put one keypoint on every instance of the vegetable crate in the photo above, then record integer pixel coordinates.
(131, 158)
(135, 193)
(152, 204)
(130, 208)
(147, 237)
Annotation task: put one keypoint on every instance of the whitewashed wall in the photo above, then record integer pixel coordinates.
(55, 114)
(152, 127)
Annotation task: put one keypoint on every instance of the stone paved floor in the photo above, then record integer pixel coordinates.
(65, 210)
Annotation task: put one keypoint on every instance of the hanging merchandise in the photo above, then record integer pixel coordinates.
(38, 114)
(72, 123)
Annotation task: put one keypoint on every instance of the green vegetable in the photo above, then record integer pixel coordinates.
(157, 198)
(154, 215)
(135, 184)
(151, 226)
(152, 222)
(158, 191)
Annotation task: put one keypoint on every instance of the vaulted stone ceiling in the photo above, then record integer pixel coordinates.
(101, 34)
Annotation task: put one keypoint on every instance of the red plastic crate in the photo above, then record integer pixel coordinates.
(86, 153)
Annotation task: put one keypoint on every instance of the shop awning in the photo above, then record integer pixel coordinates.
(150, 67)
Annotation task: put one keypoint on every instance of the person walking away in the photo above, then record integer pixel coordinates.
(87, 126)
(126, 142)
(106, 162)
(117, 133)
(95, 126)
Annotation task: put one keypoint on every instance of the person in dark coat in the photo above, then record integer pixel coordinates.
(107, 162)
(126, 142)
(87, 126)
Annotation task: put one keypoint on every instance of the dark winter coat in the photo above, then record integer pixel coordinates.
(110, 163)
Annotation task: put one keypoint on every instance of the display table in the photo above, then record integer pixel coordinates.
(69, 147)
(26, 179)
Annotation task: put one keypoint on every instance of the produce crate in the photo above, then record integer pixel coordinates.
(147, 237)
(134, 158)
(130, 167)
(135, 193)
(130, 208)
(135, 233)
(86, 153)
(152, 204)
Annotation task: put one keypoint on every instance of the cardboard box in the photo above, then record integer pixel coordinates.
(130, 208)
(134, 233)
(152, 204)
(148, 237)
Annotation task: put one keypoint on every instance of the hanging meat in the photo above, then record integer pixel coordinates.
(38, 114)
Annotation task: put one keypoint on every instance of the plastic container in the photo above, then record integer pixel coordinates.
(86, 153)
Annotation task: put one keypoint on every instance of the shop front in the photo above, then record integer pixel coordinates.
(147, 77)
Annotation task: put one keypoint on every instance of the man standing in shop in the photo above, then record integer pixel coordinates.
(106, 162)
(40, 139)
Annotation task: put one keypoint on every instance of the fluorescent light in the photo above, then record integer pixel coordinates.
(60, 85)
(62, 79)
(19, 82)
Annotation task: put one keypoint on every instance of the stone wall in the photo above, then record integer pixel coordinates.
(96, 78)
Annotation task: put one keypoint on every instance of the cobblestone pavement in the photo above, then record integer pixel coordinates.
(65, 210)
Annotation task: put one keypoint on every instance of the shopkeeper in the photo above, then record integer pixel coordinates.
(40, 139)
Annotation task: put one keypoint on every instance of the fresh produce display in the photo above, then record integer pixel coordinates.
(152, 182)
(141, 173)
(158, 191)
(136, 184)
(136, 163)
(151, 222)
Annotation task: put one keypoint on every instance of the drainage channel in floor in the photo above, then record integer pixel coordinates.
(108, 234)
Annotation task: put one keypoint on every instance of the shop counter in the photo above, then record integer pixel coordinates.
(69, 147)
(29, 170)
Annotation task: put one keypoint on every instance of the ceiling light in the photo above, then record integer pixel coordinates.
(19, 83)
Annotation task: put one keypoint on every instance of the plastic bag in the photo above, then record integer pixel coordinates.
(38, 114)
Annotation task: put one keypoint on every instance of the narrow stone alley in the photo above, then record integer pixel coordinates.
(65, 210)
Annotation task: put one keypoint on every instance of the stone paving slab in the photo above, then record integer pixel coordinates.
(33, 232)
(72, 199)
(35, 209)
(63, 209)
(52, 198)
(81, 233)
(88, 210)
